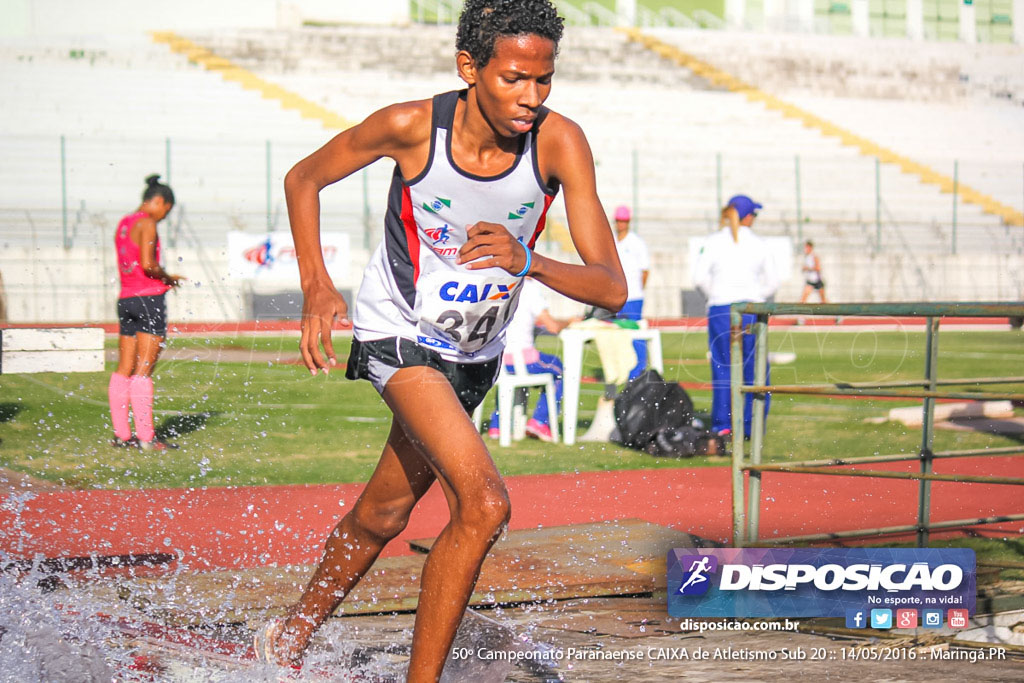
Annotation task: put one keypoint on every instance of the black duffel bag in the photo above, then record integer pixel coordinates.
(649, 404)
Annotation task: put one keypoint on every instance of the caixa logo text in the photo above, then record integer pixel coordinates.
(456, 291)
(831, 577)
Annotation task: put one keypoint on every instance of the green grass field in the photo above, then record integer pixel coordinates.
(244, 423)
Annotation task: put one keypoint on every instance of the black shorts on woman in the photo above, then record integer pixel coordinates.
(379, 360)
(146, 314)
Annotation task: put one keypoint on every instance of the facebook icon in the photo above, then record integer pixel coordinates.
(856, 618)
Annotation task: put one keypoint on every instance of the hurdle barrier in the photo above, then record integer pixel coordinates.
(746, 518)
(51, 349)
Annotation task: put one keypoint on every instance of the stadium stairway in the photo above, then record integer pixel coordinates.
(669, 142)
(720, 78)
(231, 72)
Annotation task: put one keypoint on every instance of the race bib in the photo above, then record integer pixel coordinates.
(467, 310)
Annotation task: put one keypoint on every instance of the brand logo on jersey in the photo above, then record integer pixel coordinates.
(445, 252)
(438, 204)
(439, 235)
(456, 291)
(436, 343)
(521, 211)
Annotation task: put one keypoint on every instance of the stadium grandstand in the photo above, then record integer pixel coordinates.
(890, 133)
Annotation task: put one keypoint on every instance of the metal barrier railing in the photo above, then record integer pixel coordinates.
(745, 521)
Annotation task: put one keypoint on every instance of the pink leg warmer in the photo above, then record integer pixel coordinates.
(142, 406)
(117, 394)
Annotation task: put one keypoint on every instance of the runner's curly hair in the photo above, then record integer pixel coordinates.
(483, 21)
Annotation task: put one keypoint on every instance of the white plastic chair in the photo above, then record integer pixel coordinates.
(507, 384)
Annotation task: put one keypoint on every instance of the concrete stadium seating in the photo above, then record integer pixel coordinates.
(663, 138)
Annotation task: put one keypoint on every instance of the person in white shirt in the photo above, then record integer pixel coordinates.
(812, 274)
(636, 265)
(531, 313)
(733, 266)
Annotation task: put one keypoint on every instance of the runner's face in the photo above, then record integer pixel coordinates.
(515, 82)
(158, 208)
(163, 207)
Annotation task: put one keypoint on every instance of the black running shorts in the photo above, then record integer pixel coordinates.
(147, 314)
(379, 360)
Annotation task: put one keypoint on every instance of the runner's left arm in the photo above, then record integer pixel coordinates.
(564, 156)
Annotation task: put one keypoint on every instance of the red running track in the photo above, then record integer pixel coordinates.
(255, 526)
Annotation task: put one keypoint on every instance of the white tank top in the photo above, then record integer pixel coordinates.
(412, 287)
(810, 274)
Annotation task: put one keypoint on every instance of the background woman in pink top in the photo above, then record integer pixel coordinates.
(142, 315)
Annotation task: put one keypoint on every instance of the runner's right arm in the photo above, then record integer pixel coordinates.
(147, 254)
(402, 132)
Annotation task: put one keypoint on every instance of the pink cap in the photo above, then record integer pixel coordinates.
(623, 213)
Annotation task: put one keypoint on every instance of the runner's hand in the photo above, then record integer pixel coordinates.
(175, 280)
(489, 245)
(321, 306)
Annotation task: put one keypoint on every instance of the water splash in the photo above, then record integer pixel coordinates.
(57, 630)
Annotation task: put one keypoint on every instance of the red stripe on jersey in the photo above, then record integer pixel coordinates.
(412, 238)
(548, 198)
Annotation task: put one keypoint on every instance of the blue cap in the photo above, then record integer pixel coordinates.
(744, 205)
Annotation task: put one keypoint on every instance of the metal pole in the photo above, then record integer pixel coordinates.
(927, 431)
(889, 474)
(718, 181)
(757, 426)
(888, 530)
(636, 190)
(878, 205)
(64, 191)
(918, 309)
(270, 201)
(956, 189)
(167, 160)
(908, 393)
(366, 209)
(799, 206)
(736, 403)
(903, 457)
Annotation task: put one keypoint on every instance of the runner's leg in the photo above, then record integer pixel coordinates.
(126, 355)
(148, 349)
(147, 352)
(719, 323)
(118, 389)
(381, 513)
(432, 417)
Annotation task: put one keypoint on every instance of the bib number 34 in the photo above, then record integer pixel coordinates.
(469, 315)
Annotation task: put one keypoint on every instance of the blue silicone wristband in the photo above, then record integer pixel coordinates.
(529, 260)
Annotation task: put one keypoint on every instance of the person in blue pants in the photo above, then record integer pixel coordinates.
(734, 266)
(532, 313)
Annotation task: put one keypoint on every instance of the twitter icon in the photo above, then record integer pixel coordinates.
(881, 618)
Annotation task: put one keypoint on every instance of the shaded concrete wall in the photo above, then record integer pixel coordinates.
(56, 285)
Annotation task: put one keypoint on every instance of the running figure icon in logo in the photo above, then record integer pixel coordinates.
(697, 580)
